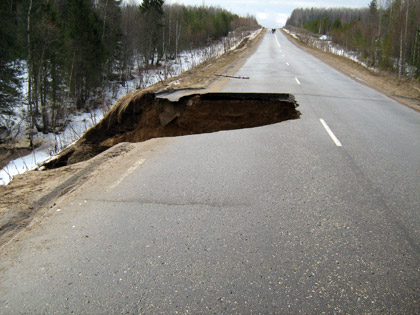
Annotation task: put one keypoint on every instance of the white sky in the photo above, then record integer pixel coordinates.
(270, 13)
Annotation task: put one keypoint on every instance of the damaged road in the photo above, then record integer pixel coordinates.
(139, 117)
(144, 116)
(276, 219)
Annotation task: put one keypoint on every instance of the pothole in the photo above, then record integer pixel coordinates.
(147, 116)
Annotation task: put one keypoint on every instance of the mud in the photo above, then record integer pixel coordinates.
(147, 116)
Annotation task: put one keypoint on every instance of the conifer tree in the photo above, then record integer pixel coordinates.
(9, 81)
(86, 53)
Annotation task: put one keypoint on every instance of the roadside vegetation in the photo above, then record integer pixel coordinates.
(384, 35)
(59, 57)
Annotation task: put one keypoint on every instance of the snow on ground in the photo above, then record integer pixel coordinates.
(23, 164)
(79, 123)
(51, 145)
(324, 43)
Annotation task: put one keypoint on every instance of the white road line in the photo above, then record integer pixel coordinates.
(287, 64)
(277, 40)
(297, 80)
(128, 172)
(333, 137)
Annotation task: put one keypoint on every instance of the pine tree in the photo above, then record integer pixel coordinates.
(86, 54)
(9, 81)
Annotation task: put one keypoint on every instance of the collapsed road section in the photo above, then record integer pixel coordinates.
(143, 115)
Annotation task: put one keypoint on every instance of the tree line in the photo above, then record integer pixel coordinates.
(69, 51)
(386, 33)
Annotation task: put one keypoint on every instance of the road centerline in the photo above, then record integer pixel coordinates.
(277, 40)
(332, 135)
(297, 81)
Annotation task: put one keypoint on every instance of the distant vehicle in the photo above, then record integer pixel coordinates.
(273, 31)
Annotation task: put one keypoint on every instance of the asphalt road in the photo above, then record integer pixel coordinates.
(277, 219)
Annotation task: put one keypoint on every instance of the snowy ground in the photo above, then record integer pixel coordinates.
(79, 123)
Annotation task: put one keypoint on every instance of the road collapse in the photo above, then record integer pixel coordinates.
(140, 116)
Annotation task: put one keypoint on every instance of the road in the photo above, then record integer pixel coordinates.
(285, 218)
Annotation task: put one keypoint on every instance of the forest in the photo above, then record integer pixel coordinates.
(386, 34)
(58, 55)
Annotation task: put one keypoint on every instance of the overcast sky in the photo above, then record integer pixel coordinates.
(271, 13)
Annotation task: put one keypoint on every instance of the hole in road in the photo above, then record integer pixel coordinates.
(147, 116)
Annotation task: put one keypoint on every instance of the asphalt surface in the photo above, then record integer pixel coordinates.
(276, 219)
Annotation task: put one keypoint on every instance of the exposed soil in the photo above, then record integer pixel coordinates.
(146, 116)
(405, 91)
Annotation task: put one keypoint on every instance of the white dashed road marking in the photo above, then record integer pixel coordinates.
(333, 137)
(278, 43)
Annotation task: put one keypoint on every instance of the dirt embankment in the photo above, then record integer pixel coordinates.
(405, 91)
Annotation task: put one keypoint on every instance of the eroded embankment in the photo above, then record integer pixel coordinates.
(145, 116)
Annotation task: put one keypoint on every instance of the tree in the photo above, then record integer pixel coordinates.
(85, 50)
(46, 63)
(109, 12)
(9, 81)
(151, 12)
(72, 49)
(386, 35)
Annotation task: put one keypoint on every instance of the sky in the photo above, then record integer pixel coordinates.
(271, 13)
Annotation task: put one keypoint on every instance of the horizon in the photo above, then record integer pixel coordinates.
(271, 14)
